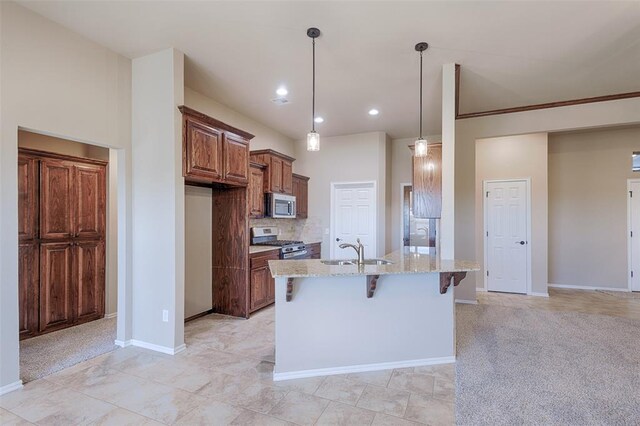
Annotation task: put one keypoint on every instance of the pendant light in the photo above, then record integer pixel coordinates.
(421, 143)
(313, 138)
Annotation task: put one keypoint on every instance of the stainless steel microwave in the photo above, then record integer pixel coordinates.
(281, 206)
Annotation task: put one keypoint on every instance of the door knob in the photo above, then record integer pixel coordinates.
(520, 242)
(338, 239)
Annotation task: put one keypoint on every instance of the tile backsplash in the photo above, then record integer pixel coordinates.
(307, 230)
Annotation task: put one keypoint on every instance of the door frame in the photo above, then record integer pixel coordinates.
(485, 208)
(332, 231)
(629, 243)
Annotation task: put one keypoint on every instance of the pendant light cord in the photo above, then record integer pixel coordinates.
(313, 91)
(421, 95)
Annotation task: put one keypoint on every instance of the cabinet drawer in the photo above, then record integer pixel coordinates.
(261, 260)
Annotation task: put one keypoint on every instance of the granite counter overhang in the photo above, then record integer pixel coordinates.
(404, 261)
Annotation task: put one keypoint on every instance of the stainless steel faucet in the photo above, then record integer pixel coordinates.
(358, 248)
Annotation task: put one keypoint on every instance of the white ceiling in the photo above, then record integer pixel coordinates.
(512, 53)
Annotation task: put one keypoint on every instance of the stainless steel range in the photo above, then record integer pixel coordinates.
(268, 236)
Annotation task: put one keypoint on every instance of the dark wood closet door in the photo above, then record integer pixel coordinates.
(27, 198)
(56, 286)
(89, 272)
(90, 198)
(56, 199)
(28, 258)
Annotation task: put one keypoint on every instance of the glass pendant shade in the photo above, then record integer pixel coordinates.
(313, 141)
(420, 147)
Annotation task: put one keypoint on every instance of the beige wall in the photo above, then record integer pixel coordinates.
(352, 158)
(514, 157)
(588, 174)
(600, 114)
(61, 146)
(198, 252)
(265, 137)
(55, 82)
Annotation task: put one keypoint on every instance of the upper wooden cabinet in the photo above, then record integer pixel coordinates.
(278, 175)
(300, 186)
(427, 183)
(27, 197)
(256, 191)
(212, 151)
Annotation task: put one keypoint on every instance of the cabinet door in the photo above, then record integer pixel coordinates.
(56, 199)
(27, 197)
(260, 294)
(236, 159)
(203, 152)
(287, 184)
(256, 194)
(28, 258)
(56, 286)
(275, 173)
(90, 201)
(89, 275)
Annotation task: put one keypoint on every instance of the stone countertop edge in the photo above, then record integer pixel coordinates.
(260, 249)
(404, 262)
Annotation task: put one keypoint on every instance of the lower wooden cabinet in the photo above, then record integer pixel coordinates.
(28, 261)
(89, 276)
(262, 285)
(313, 250)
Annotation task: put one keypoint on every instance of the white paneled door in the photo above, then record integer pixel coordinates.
(634, 234)
(353, 216)
(506, 225)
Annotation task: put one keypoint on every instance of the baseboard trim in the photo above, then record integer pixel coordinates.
(11, 387)
(122, 343)
(538, 294)
(467, 302)
(200, 315)
(361, 368)
(158, 348)
(481, 289)
(584, 287)
(111, 315)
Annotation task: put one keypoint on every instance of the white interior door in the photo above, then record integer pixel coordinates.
(354, 216)
(634, 234)
(507, 248)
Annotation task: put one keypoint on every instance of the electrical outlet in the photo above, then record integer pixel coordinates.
(165, 315)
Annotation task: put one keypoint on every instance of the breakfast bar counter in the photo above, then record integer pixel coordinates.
(344, 318)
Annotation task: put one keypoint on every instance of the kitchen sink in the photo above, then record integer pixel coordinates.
(340, 262)
(377, 262)
(355, 262)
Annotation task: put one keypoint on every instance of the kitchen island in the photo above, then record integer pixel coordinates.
(335, 319)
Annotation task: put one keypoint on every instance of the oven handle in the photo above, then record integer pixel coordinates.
(298, 253)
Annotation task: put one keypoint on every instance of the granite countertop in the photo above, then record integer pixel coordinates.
(260, 249)
(405, 261)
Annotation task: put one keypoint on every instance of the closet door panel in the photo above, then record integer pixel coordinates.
(56, 286)
(89, 272)
(56, 199)
(27, 198)
(90, 200)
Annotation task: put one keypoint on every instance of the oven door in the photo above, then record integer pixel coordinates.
(282, 206)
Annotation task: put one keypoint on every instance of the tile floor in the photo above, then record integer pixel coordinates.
(224, 378)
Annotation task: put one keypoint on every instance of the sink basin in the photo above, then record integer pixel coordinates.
(339, 262)
(355, 262)
(377, 262)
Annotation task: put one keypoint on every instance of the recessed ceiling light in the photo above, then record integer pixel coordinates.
(318, 119)
(282, 91)
(373, 111)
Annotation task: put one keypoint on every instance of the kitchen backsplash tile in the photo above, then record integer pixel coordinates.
(307, 230)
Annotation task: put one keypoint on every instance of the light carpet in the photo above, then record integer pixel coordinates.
(622, 294)
(527, 366)
(46, 354)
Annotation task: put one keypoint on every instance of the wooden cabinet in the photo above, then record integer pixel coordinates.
(314, 250)
(256, 193)
(62, 241)
(262, 285)
(300, 186)
(278, 174)
(427, 184)
(28, 281)
(27, 197)
(56, 286)
(89, 280)
(212, 151)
